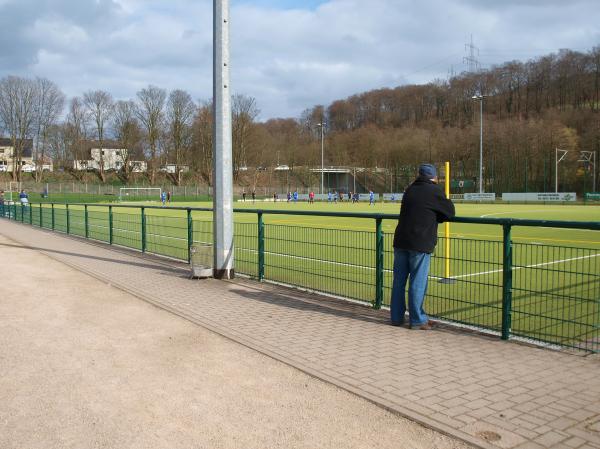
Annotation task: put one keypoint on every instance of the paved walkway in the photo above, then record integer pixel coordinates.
(482, 390)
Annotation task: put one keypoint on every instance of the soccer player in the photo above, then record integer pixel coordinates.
(23, 198)
(253, 196)
(329, 197)
(163, 198)
(169, 197)
(295, 196)
(244, 195)
(311, 197)
(371, 198)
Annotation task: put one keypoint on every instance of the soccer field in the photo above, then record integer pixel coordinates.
(555, 275)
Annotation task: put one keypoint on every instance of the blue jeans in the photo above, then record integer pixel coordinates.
(415, 265)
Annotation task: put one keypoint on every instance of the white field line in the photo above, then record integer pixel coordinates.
(526, 266)
(530, 212)
(512, 212)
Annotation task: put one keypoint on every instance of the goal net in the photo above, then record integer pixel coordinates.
(139, 193)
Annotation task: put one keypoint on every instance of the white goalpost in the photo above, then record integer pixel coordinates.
(140, 193)
(13, 187)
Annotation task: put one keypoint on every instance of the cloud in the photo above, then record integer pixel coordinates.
(289, 54)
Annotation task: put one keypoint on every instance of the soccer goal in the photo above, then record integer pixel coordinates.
(12, 194)
(139, 193)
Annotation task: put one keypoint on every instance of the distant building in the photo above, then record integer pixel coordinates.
(173, 168)
(7, 154)
(112, 155)
(45, 163)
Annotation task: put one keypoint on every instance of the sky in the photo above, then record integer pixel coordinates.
(288, 54)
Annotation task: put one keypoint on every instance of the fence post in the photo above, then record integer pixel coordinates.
(86, 221)
(261, 247)
(53, 218)
(190, 234)
(378, 263)
(110, 225)
(41, 220)
(68, 219)
(143, 229)
(506, 282)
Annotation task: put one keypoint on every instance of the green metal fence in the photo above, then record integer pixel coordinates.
(544, 293)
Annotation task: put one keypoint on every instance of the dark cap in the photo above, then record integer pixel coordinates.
(428, 171)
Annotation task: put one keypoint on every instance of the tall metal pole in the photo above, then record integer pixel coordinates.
(222, 165)
(592, 163)
(556, 170)
(481, 144)
(322, 125)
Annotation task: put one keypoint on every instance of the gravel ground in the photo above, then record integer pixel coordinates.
(84, 365)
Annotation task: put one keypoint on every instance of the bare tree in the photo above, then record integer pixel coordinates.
(127, 130)
(99, 105)
(18, 98)
(49, 106)
(56, 145)
(150, 111)
(180, 114)
(76, 135)
(244, 112)
(202, 145)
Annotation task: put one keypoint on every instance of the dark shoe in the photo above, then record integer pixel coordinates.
(422, 327)
(397, 323)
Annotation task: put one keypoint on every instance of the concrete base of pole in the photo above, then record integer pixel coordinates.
(224, 274)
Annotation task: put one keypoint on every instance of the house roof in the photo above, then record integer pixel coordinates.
(106, 144)
(27, 149)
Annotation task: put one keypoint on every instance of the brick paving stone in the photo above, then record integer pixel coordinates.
(531, 445)
(573, 442)
(526, 433)
(551, 438)
(458, 382)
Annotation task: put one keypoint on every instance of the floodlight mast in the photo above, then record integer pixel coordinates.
(480, 98)
(563, 154)
(322, 126)
(222, 160)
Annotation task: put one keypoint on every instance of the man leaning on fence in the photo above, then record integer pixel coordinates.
(423, 207)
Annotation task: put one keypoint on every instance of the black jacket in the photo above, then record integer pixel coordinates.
(423, 207)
